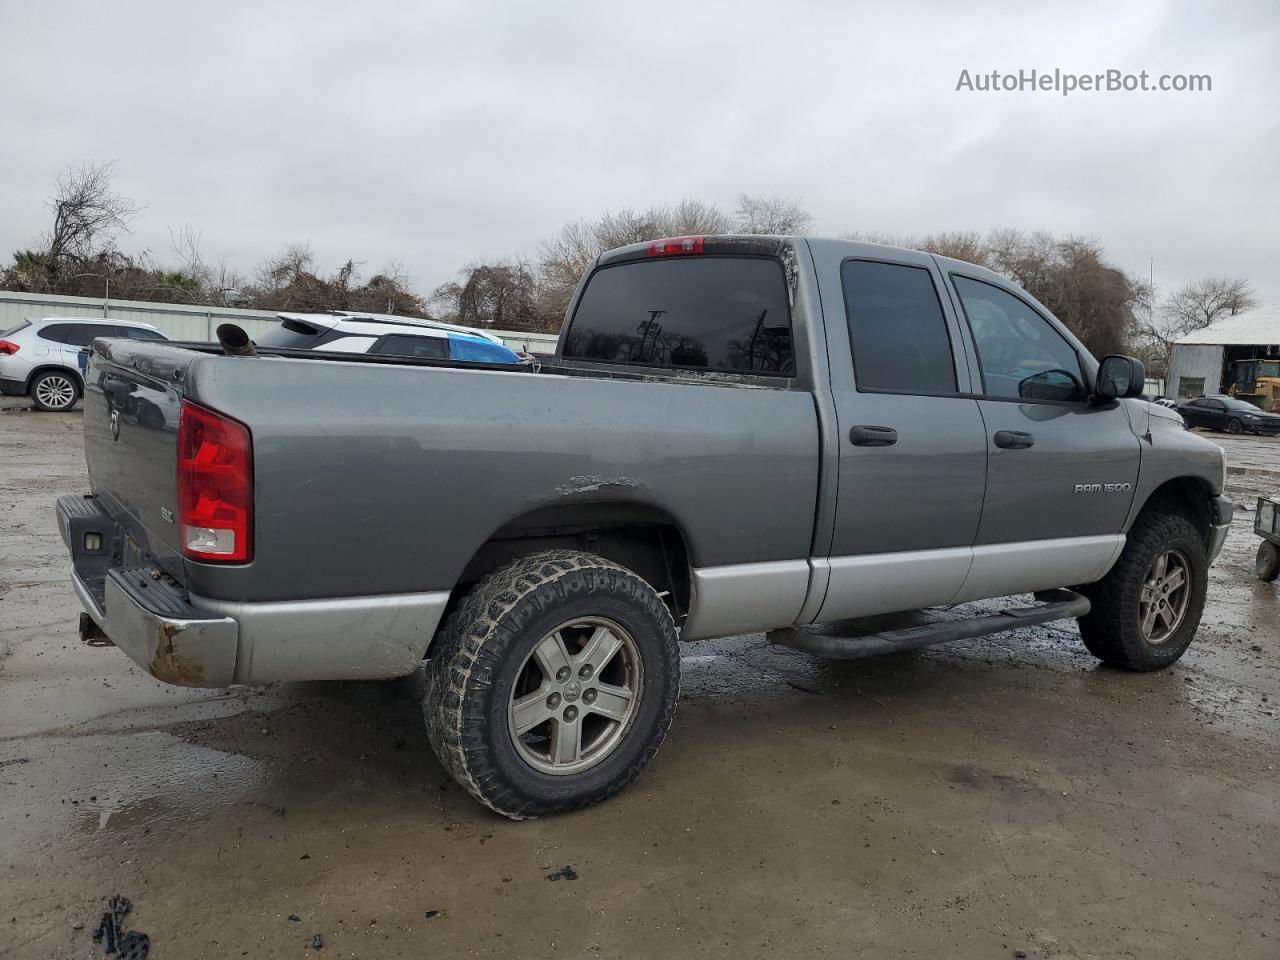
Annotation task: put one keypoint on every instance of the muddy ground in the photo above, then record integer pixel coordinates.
(976, 800)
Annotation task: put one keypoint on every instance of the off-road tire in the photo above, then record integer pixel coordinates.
(476, 659)
(1112, 630)
(1267, 562)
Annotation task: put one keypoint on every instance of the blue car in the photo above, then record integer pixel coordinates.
(385, 335)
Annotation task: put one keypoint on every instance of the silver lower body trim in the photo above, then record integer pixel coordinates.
(875, 583)
(751, 597)
(348, 638)
(745, 598)
(1000, 569)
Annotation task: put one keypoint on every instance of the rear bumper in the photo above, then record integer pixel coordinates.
(199, 642)
(13, 388)
(189, 650)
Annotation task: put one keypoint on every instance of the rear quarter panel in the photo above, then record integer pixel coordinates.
(383, 479)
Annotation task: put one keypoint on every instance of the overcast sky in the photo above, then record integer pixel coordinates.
(434, 134)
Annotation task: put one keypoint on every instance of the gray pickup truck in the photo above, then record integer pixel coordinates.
(737, 434)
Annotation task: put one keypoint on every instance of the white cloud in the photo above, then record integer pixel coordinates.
(438, 134)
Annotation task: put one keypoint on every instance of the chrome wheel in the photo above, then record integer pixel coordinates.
(1166, 593)
(575, 696)
(55, 392)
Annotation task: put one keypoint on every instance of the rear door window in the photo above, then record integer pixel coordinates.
(727, 314)
(83, 334)
(897, 329)
(140, 333)
(407, 345)
(57, 332)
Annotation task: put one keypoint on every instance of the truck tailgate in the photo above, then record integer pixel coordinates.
(132, 401)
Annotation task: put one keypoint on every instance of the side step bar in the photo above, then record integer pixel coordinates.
(1054, 605)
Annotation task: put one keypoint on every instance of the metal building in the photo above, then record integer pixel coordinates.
(1202, 362)
(182, 321)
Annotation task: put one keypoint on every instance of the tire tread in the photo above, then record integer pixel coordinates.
(1110, 630)
(468, 653)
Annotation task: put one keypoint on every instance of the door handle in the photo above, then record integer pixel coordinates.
(868, 436)
(1013, 439)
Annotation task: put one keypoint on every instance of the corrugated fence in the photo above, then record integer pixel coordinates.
(180, 321)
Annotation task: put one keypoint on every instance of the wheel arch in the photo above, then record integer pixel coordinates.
(637, 535)
(50, 367)
(1185, 496)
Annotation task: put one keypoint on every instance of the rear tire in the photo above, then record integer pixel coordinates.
(1147, 609)
(553, 684)
(54, 391)
(1268, 561)
(1234, 426)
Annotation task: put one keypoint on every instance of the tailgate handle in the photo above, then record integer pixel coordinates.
(868, 436)
(1014, 440)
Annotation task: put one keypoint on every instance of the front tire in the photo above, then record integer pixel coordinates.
(1235, 426)
(1147, 609)
(553, 684)
(54, 391)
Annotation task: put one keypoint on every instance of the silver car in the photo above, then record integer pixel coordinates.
(45, 359)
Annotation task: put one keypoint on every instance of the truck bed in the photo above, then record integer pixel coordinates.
(383, 475)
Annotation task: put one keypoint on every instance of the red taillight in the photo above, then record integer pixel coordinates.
(215, 486)
(8, 348)
(675, 245)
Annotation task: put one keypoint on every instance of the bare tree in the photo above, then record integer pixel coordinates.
(771, 215)
(500, 294)
(87, 213)
(878, 236)
(1199, 304)
(563, 259)
(185, 244)
(1190, 308)
(692, 217)
(964, 245)
(289, 281)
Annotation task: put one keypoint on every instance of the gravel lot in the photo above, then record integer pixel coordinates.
(973, 800)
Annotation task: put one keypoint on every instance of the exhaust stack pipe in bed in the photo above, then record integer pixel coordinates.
(235, 342)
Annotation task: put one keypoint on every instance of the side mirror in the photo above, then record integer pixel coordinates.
(1120, 376)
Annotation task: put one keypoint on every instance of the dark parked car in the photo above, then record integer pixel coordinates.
(1229, 414)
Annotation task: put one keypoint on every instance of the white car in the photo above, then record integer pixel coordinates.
(386, 335)
(44, 359)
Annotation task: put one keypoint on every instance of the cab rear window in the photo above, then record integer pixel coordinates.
(725, 314)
